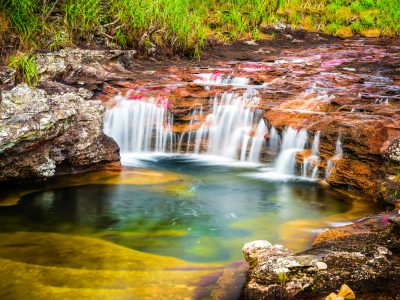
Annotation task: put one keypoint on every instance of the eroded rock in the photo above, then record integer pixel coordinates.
(43, 134)
(362, 255)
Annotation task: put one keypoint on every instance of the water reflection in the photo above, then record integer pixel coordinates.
(206, 218)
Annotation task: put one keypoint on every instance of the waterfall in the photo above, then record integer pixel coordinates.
(333, 160)
(140, 125)
(339, 149)
(257, 142)
(234, 128)
(293, 141)
(313, 160)
(227, 130)
(274, 140)
(220, 78)
(315, 145)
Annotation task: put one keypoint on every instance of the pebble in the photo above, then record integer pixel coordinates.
(383, 250)
(322, 266)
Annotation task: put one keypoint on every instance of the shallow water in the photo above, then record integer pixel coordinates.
(186, 215)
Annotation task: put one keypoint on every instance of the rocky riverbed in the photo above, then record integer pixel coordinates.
(344, 90)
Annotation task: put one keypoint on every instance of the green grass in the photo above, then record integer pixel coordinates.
(184, 26)
(171, 26)
(364, 17)
(26, 67)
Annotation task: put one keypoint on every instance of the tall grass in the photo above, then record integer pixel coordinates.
(181, 26)
(346, 17)
(26, 67)
(184, 26)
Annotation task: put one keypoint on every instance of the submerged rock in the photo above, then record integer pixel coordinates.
(42, 135)
(362, 255)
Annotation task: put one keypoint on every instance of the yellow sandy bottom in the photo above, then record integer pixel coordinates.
(38, 265)
(297, 234)
(114, 177)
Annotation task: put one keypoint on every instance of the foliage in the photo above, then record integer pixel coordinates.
(365, 17)
(25, 64)
(282, 277)
(184, 26)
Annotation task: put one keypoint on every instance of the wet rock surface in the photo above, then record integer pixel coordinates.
(43, 134)
(363, 255)
(344, 89)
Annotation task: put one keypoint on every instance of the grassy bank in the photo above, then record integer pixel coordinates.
(178, 26)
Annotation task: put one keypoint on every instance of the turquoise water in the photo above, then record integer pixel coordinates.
(205, 215)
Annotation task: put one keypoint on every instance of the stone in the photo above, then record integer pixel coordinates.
(322, 266)
(83, 66)
(394, 151)
(42, 135)
(383, 251)
(358, 254)
(7, 76)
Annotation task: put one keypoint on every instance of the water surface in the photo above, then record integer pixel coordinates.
(177, 214)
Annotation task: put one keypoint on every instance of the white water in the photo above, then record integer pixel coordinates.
(233, 130)
(293, 141)
(313, 160)
(221, 79)
(274, 141)
(333, 160)
(140, 126)
(227, 130)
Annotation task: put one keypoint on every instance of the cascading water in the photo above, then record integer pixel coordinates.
(312, 160)
(257, 142)
(228, 128)
(293, 141)
(220, 78)
(333, 160)
(274, 141)
(233, 129)
(140, 125)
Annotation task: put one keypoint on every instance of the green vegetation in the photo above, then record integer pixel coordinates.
(25, 64)
(346, 17)
(181, 26)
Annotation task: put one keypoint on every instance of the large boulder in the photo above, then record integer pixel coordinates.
(43, 134)
(363, 255)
